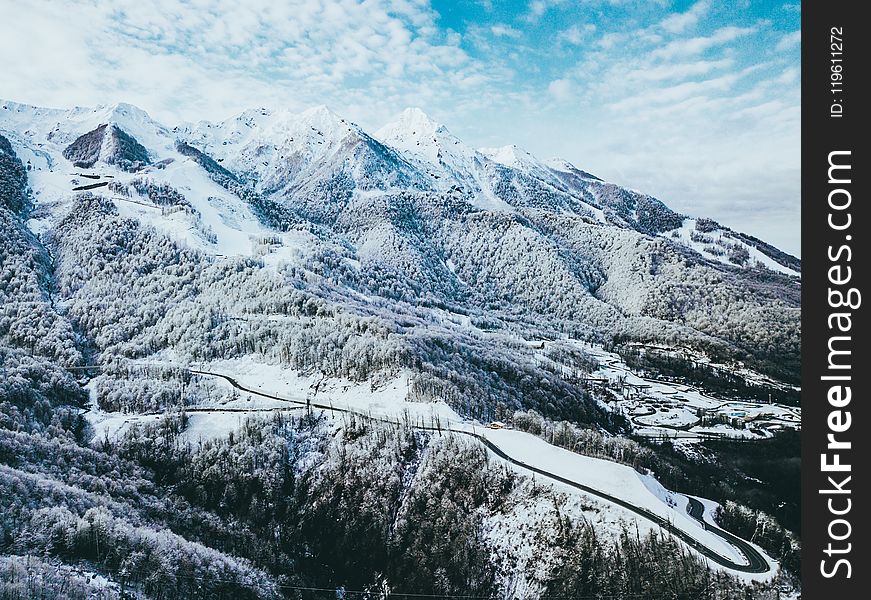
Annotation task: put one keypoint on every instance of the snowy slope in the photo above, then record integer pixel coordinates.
(409, 214)
(388, 400)
(310, 158)
(449, 161)
(220, 222)
(515, 157)
(611, 478)
(719, 244)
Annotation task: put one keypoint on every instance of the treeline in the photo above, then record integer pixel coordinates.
(270, 212)
(161, 194)
(28, 320)
(368, 504)
(764, 530)
(164, 296)
(159, 563)
(27, 577)
(125, 150)
(489, 382)
(37, 344)
(37, 394)
(717, 381)
(82, 506)
(645, 289)
(357, 504)
(653, 566)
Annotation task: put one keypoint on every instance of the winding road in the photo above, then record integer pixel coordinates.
(756, 563)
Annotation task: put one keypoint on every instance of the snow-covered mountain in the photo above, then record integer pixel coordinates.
(451, 164)
(316, 160)
(419, 215)
(402, 275)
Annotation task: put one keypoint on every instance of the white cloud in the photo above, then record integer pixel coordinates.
(537, 8)
(185, 61)
(678, 22)
(577, 34)
(790, 40)
(693, 118)
(789, 75)
(502, 30)
(612, 39)
(697, 45)
(650, 98)
(677, 70)
(561, 89)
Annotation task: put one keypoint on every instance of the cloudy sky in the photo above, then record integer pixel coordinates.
(696, 103)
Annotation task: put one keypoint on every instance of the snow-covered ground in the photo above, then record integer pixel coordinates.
(237, 230)
(385, 398)
(229, 408)
(677, 501)
(511, 533)
(438, 152)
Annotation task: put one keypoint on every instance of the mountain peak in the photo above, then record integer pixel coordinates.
(321, 111)
(415, 126)
(416, 121)
(110, 144)
(125, 108)
(324, 114)
(124, 115)
(325, 122)
(416, 132)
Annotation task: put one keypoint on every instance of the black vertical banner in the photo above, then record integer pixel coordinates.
(836, 424)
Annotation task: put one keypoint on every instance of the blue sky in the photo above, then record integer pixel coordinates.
(697, 103)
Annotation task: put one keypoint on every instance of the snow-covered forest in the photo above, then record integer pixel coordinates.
(138, 258)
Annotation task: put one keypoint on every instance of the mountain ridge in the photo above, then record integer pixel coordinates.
(560, 243)
(278, 127)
